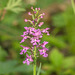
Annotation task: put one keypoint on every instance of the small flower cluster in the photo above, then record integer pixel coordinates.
(34, 34)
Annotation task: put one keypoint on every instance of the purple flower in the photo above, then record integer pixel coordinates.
(45, 55)
(43, 52)
(35, 35)
(40, 24)
(35, 12)
(25, 37)
(45, 31)
(35, 40)
(24, 33)
(31, 7)
(26, 20)
(33, 22)
(28, 59)
(38, 8)
(29, 13)
(29, 30)
(44, 43)
(26, 28)
(24, 50)
(37, 32)
(36, 20)
(41, 16)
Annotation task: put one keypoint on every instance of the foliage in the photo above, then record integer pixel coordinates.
(47, 3)
(59, 63)
(12, 66)
(3, 54)
(68, 24)
(13, 5)
(56, 58)
(61, 41)
(55, 41)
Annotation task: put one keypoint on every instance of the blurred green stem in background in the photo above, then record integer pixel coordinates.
(34, 67)
(73, 5)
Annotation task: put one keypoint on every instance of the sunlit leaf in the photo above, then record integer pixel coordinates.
(56, 58)
(58, 20)
(14, 5)
(69, 62)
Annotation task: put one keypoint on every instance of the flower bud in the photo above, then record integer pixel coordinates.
(29, 13)
(26, 20)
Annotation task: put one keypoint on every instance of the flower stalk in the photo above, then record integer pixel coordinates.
(35, 34)
(34, 68)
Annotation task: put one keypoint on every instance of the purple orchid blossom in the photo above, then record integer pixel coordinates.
(40, 24)
(45, 31)
(44, 43)
(35, 35)
(28, 59)
(35, 40)
(43, 52)
(24, 50)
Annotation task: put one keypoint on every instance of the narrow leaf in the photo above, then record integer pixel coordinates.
(39, 70)
(9, 3)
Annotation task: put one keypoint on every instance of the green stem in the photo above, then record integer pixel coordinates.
(34, 67)
(73, 5)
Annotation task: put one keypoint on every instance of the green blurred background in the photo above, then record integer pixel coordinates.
(59, 18)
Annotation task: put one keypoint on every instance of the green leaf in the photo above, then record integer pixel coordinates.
(69, 17)
(59, 22)
(7, 67)
(23, 68)
(69, 62)
(54, 41)
(48, 67)
(56, 58)
(16, 10)
(12, 67)
(3, 4)
(14, 5)
(8, 31)
(3, 54)
(39, 70)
